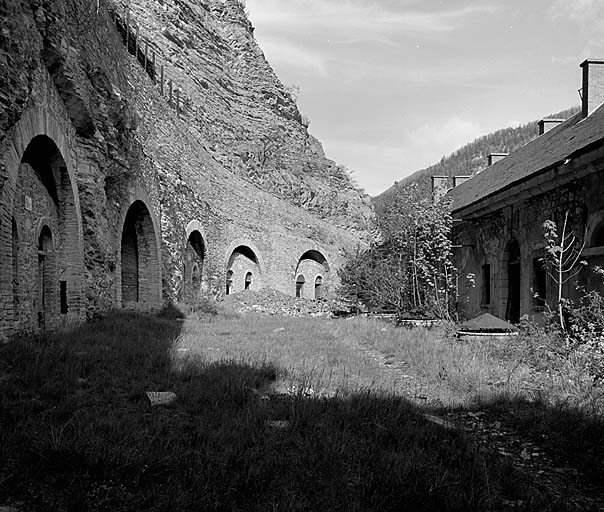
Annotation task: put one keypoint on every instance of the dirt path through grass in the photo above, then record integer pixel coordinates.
(491, 429)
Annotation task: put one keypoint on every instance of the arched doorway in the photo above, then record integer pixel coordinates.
(45, 210)
(315, 268)
(242, 270)
(193, 266)
(139, 259)
(46, 277)
(512, 313)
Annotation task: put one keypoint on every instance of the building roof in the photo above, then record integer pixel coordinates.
(486, 323)
(545, 152)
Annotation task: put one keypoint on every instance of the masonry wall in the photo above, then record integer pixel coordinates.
(485, 240)
(121, 144)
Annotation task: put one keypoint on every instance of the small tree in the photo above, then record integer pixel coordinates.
(563, 257)
(410, 271)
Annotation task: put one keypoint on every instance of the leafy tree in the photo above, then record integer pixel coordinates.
(409, 271)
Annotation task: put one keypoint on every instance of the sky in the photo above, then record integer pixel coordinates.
(391, 86)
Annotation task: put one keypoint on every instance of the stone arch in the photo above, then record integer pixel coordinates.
(312, 264)
(194, 256)
(243, 259)
(139, 268)
(40, 181)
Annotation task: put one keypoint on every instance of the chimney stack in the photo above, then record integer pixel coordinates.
(545, 125)
(440, 187)
(592, 92)
(495, 157)
(458, 180)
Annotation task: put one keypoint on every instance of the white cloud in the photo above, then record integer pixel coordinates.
(357, 19)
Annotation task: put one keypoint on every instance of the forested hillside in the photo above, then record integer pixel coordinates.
(471, 158)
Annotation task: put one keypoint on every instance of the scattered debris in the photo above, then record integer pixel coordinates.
(272, 302)
(279, 424)
(161, 397)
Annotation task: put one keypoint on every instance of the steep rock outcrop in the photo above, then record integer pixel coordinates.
(232, 98)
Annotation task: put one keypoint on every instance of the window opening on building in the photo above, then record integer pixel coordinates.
(300, 280)
(539, 282)
(248, 280)
(318, 287)
(63, 297)
(229, 282)
(486, 284)
(45, 272)
(513, 270)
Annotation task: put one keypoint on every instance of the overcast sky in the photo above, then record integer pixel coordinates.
(390, 86)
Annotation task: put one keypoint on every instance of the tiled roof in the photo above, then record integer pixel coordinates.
(546, 151)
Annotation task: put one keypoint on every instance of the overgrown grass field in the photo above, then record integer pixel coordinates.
(272, 413)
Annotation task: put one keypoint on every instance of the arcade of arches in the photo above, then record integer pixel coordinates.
(44, 269)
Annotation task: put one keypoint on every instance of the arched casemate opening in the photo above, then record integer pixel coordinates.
(243, 270)
(193, 265)
(47, 265)
(315, 269)
(140, 266)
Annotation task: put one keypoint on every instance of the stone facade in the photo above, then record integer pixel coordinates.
(499, 235)
(109, 197)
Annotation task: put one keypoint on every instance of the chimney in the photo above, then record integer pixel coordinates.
(458, 180)
(592, 92)
(495, 157)
(440, 187)
(545, 125)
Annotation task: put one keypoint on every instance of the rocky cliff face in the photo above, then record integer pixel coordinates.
(231, 97)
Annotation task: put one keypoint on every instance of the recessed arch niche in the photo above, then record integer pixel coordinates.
(140, 274)
(313, 265)
(46, 264)
(243, 270)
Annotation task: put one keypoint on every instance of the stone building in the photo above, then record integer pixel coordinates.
(499, 213)
(112, 195)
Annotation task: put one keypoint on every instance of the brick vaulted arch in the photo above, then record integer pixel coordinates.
(139, 262)
(244, 266)
(194, 255)
(39, 181)
(313, 270)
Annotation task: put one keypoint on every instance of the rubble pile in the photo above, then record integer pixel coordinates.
(272, 302)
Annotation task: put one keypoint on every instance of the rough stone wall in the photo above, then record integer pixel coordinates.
(485, 240)
(122, 144)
